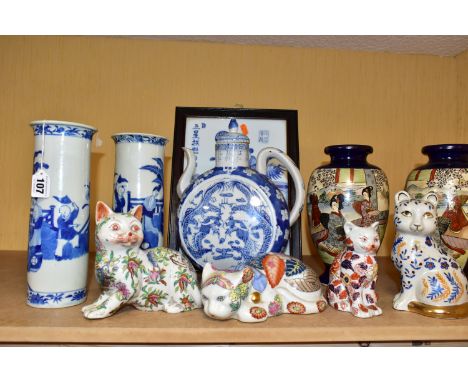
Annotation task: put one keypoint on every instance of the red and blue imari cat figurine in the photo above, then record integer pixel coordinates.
(353, 274)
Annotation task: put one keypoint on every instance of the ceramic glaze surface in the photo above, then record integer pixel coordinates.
(446, 174)
(201, 134)
(231, 217)
(232, 214)
(139, 180)
(347, 189)
(149, 280)
(353, 274)
(59, 224)
(269, 286)
(430, 278)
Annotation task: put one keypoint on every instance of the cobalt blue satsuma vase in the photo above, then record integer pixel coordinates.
(446, 173)
(346, 189)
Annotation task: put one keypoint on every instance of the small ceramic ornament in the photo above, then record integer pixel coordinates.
(432, 282)
(268, 287)
(149, 280)
(353, 274)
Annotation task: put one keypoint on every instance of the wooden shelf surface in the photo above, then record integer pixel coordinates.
(20, 323)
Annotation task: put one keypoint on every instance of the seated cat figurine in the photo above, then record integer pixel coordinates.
(353, 274)
(269, 286)
(432, 283)
(150, 280)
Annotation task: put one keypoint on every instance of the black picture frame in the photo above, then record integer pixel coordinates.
(292, 137)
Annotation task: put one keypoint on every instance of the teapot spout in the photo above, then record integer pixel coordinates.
(186, 177)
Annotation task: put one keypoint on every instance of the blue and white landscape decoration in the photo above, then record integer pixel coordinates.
(232, 214)
(139, 180)
(200, 135)
(59, 224)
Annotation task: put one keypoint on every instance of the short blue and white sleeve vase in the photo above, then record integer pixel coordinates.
(59, 224)
(139, 180)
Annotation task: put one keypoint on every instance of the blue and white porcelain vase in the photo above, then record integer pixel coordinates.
(59, 223)
(139, 180)
(232, 214)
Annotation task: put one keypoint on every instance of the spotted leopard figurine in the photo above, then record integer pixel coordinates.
(432, 283)
(353, 274)
(269, 286)
(149, 280)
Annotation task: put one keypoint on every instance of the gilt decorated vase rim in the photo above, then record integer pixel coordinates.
(341, 148)
(433, 149)
(348, 156)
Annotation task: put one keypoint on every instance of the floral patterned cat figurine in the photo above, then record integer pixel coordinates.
(269, 286)
(353, 274)
(432, 283)
(149, 280)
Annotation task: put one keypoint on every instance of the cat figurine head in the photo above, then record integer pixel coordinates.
(223, 292)
(118, 229)
(364, 240)
(415, 216)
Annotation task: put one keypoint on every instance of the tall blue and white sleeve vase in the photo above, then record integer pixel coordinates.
(59, 223)
(139, 180)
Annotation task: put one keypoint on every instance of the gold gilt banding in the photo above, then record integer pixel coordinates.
(449, 312)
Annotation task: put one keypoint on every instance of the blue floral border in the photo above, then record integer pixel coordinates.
(50, 298)
(64, 129)
(139, 138)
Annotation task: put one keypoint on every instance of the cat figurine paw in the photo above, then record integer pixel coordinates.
(432, 283)
(150, 280)
(353, 274)
(267, 287)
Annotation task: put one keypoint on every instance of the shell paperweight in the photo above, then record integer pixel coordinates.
(432, 283)
(269, 286)
(353, 274)
(149, 280)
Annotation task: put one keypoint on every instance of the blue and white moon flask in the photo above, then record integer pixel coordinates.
(232, 214)
(59, 220)
(139, 180)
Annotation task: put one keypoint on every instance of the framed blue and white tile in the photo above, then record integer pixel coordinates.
(196, 128)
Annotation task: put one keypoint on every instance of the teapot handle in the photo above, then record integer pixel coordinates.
(270, 152)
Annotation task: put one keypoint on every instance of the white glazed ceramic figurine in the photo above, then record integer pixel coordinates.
(270, 286)
(353, 274)
(432, 283)
(151, 280)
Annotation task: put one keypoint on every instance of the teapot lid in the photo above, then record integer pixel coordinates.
(232, 136)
